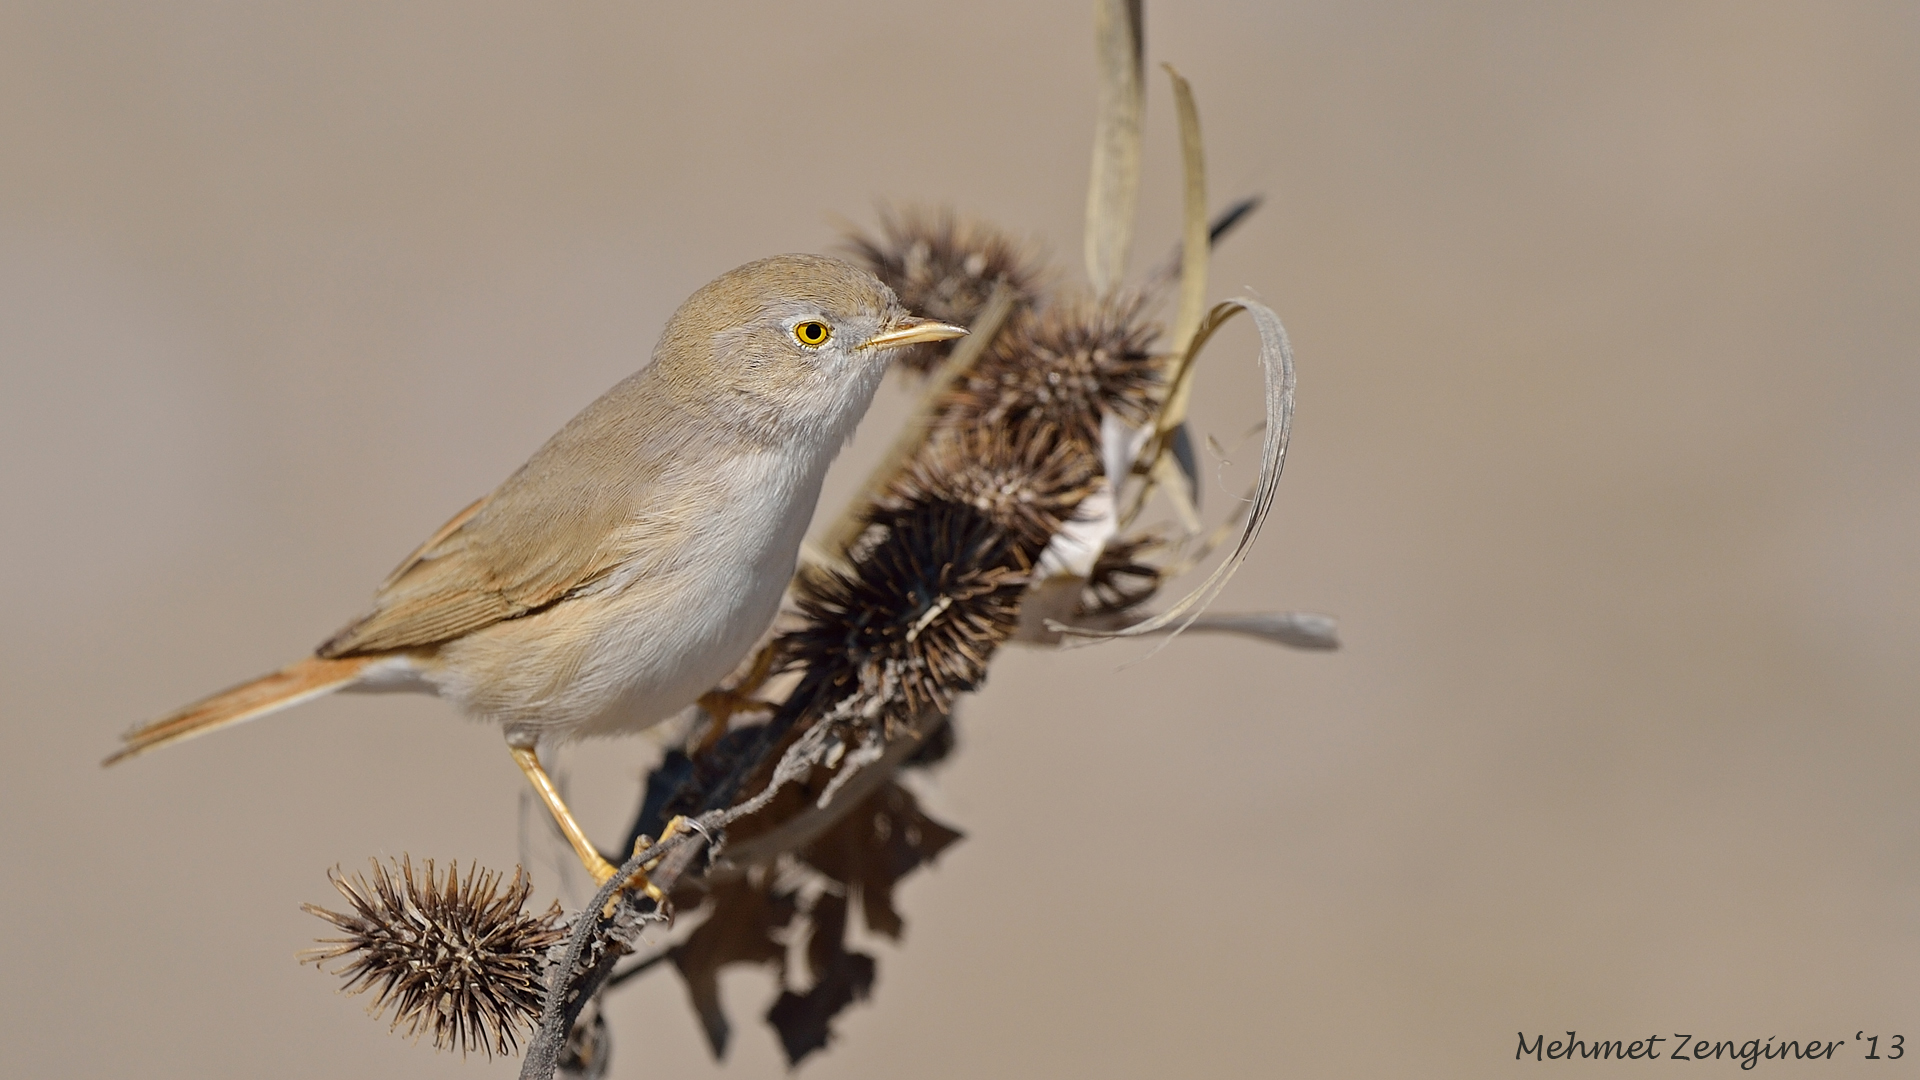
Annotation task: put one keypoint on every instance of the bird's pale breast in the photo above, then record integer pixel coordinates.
(644, 642)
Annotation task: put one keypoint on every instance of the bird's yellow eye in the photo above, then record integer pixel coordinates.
(813, 333)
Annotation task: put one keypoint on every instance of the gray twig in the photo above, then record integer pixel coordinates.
(605, 927)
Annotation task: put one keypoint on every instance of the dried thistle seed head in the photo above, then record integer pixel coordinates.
(1121, 580)
(944, 268)
(915, 623)
(1065, 366)
(460, 960)
(1026, 479)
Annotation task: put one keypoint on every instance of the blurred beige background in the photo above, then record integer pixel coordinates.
(1606, 456)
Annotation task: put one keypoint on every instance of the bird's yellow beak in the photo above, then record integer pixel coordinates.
(913, 332)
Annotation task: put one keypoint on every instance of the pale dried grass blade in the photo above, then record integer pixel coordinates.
(1194, 231)
(1167, 271)
(1176, 477)
(1114, 186)
(1195, 245)
(1296, 629)
(1276, 362)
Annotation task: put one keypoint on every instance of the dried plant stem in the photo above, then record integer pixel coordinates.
(603, 928)
(606, 926)
(797, 832)
(640, 967)
(1113, 188)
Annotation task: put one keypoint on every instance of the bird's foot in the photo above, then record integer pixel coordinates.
(722, 704)
(638, 880)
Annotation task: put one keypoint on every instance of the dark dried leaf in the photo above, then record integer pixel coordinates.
(742, 928)
(874, 846)
(688, 784)
(840, 978)
(936, 747)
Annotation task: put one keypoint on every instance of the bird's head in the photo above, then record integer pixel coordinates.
(791, 346)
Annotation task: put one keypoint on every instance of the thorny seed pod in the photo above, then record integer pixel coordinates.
(1026, 479)
(460, 960)
(944, 268)
(1120, 580)
(916, 621)
(1066, 366)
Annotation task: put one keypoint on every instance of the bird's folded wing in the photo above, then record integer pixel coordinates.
(506, 556)
(432, 543)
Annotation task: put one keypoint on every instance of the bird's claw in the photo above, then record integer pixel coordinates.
(638, 880)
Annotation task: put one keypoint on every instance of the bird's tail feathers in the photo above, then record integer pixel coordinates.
(291, 685)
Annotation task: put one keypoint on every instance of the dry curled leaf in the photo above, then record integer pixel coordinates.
(744, 927)
(1276, 363)
(840, 977)
(879, 842)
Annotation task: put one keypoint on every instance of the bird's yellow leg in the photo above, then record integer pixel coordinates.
(590, 856)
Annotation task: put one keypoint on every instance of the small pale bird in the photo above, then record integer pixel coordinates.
(637, 557)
